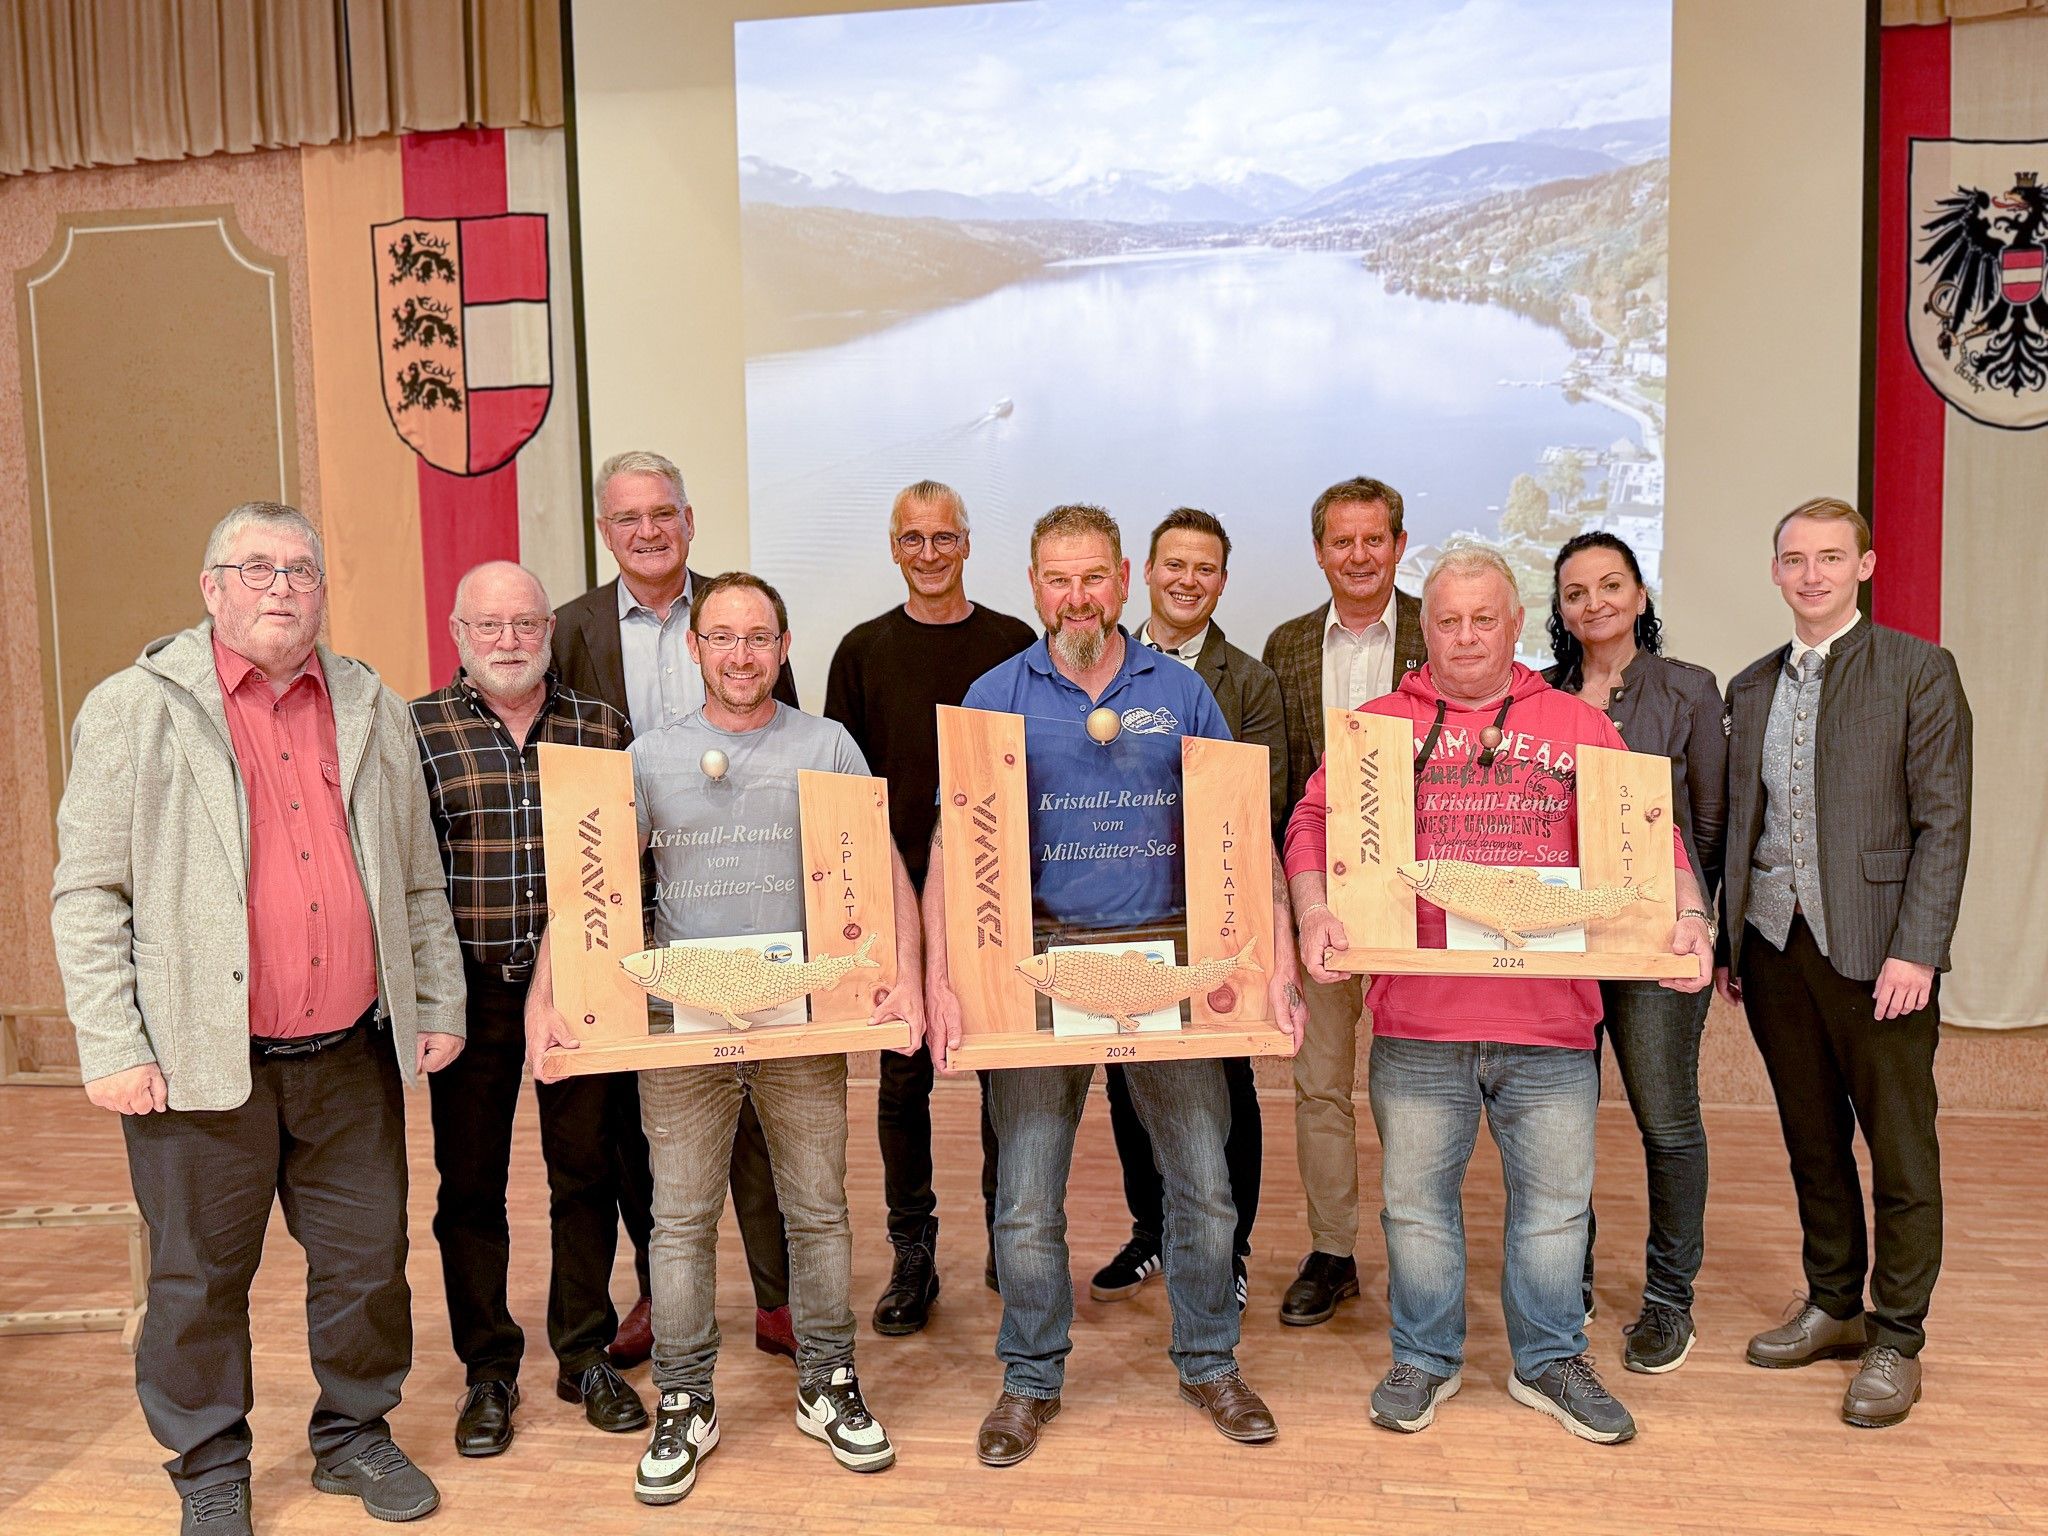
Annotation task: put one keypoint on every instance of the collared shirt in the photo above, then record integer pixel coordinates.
(312, 958)
(662, 683)
(483, 790)
(1106, 820)
(1800, 647)
(1188, 652)
(1360, 666)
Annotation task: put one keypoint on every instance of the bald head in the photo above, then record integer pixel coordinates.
(496, 582)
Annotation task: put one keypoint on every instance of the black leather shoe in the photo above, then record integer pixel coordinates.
(483, 1424)
(913, 1287)
(607, 1401)
(1324, 1281)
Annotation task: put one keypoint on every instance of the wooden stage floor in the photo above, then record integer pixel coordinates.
(1723, 1448)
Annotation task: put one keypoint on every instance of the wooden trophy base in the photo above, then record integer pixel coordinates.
(1191, 1042)
(707, 1049)
(1612, 966)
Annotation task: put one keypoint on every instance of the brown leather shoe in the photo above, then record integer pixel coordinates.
(1809, 1335)
(634, 1341)
(1883, 1390)
(1010, 1432)
(1237, 1411)
(774, 1332)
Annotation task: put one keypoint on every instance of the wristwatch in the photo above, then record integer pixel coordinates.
(1713, 928)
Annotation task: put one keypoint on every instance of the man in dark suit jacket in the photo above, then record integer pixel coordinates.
(1186, 568)
(1355, 647)
(625, 642)
(1848, 835)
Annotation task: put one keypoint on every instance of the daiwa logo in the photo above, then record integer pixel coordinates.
(590, 841)
(776, 954)
(1152, 722)
(988, 874)
(1369, 807)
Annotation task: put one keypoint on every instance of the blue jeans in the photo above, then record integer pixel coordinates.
(1540, 1103)
(1656, 1037)
(1185, 1106)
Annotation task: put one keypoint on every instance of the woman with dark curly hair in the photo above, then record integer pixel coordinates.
(1608, 643)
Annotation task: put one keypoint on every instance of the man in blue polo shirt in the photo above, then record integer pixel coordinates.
(1105, 850)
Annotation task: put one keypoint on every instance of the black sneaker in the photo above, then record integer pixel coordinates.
(834, 1412)
(1407, 1396)
(1571, 1393)
(1659, 1340)
(913, 1286)
(385, 1479)
(219, 1510)
(1125, 1275)
(1241, 1282)
(685, 1432)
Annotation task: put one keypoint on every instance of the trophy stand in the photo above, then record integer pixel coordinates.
(984, 819)
(592, 841)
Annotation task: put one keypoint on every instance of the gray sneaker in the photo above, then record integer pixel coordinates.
(1570, 1391)
(1808, 1335)
(384, 1478)
(1407, 1396)
(1884, 1390)
(219, 1510)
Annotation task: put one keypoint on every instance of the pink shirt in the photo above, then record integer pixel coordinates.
(1522, 811)
(312, 960)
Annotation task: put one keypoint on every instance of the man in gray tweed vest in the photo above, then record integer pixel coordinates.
(1848, 834)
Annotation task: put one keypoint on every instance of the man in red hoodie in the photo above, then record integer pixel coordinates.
(1495, 784)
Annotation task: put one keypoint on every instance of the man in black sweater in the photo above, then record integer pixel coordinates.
(887, 679)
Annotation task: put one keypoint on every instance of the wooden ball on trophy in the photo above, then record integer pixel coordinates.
(1105, 725)
(714, 764)
(1491, 738)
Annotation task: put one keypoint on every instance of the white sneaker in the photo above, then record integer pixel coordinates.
(834, 1413)
(685, 1432)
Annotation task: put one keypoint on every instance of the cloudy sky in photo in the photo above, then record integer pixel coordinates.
(1008, 96)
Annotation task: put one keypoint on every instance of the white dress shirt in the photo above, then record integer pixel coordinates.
(1800, 647)
(1357, 667)
(1187, 653)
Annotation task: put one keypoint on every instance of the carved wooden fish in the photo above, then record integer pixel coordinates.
(736, 981)
(1514, 903)
(1119, 986)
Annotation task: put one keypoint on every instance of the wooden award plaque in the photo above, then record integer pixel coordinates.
(592, 840)
(1228, 852)
(1624, 818)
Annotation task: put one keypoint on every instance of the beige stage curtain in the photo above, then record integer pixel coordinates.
(1929, 13)
(113, 82)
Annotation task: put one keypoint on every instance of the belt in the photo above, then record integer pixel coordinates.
(269, 1046)
(511, 975)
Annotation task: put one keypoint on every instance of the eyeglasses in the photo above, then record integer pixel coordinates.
(725, 640)
(488, 630)
(941, 543)
(665, 519)
(303, 576)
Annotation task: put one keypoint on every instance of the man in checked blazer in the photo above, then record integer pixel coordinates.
(625, 643)
(1355, 647)
(1848, 834)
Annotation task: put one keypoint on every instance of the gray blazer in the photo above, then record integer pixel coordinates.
(1295, 653)
(1892, 775)
(150, 908)
(1249, 696)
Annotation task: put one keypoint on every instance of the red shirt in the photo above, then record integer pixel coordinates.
(312, 960)
(1524, 811)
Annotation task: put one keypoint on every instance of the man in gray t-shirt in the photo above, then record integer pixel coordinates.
(728, 857)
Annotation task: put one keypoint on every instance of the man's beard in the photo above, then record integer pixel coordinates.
(1080, 649)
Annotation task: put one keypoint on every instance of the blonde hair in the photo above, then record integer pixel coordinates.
(1827, 509)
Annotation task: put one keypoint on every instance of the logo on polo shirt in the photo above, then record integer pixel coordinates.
(1151, 722)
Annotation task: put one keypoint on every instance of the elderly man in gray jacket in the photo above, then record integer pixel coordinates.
(254, 933)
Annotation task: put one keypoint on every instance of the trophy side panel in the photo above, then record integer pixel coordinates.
(591, 838)
(1625, 839)
(1227, 833)
(984, 821)
(1369, 779)
(849, 891)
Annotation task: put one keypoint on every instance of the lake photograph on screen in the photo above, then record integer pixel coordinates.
(1209, 253)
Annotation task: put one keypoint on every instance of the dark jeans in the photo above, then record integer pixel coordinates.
(474, 1100)
(1834, 1066)
(1656, 1037)
(903, 1126)
(324, 1134)
(1244, 1150)
(1036, 1111)
(753, 1192)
